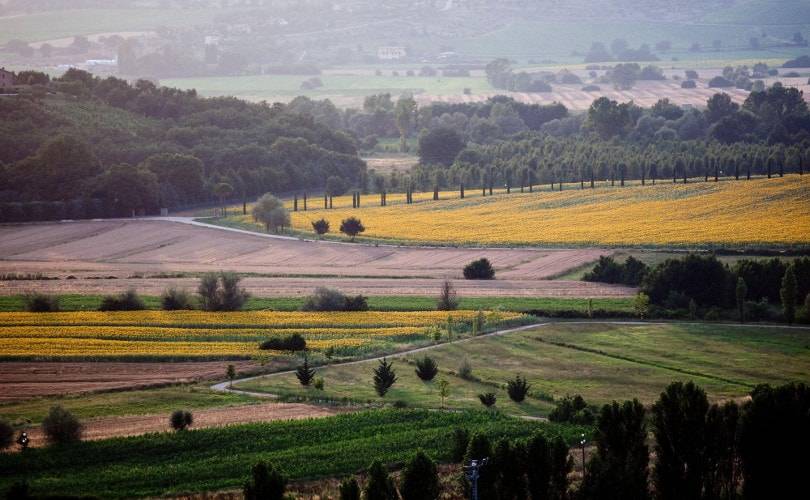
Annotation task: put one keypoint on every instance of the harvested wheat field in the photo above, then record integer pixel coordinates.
(133, 425)
(25, 380)
(108, 256)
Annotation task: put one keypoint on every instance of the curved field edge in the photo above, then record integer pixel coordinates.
(700, 215)
(215, 459)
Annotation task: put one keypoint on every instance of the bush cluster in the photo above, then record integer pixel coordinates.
(292, 343)
(329, 299)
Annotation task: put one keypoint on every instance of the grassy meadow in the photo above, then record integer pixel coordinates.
(600, 361)
(759, 212)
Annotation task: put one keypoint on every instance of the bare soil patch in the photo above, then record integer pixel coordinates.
(109, 256)
(133, 425)
(24, 380)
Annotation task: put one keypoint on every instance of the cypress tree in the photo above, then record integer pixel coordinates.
(305, 373)
(384, 377)
(379, 485)
(538, 467)
(789, 293)
(740, 292)
(420, 480)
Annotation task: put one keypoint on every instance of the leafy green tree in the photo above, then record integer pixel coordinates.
(351, 227)
(679, 428)
(607, 118)
(439, 146)
(349, 489)
(447, 297)
(127, 190)
(722, 434)
(181, 420)
(61, 427)
(175, 299)
(58, 170)
(641, 305)
(305, 373)
(461, 439)
(444, 390)
(271, 212)
(561, 466)
(231, 374)
(426, 368)
(6, 434)
(266, 483)
(774, 437)
(420, 479)
(223, 191)
(405, 113)
(182, 173)
(619, 468)
(221, 292)
(789, 293)
(517, 388)
(538, 466)
(379, 485)
(740, 292)
(480, 269)
(384, 377)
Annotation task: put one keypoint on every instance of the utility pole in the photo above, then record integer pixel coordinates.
(472, 472)
(582, 446)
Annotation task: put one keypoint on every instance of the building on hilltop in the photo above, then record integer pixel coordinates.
(391, 53)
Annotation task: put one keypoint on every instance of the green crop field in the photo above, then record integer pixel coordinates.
(601, 361)
(111, 404)
(215, 459)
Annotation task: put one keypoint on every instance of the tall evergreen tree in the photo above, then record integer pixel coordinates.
(789, 293)
(379, 485)
(420, 480)
(384, 377)
(305, 373)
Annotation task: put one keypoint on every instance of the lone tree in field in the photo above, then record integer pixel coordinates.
(426, 369)
(517, 389)
(231, 374)
(444, 390)
(266, 483)
(320, 227)
(271, 212)
(384, 377)
(61, 427)
(351, 227)
(480, 269)
(305, 373)
(420, 480)
(223, 191)
(447, 298)
(740, 292)
(789, 293)
(181, 420)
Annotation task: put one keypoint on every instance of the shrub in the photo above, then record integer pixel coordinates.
(174, 299)
(719, 81)
(465, 369)
(349, 489)
(688, 84)
(572, 410)
(356, 303)
(384, 377)
(329, 299)
(61, 427)
(6, 435)
(181, 420)
(305, 373)
(318, 384)
(38, 302)
(480, 269)
(352, 227)
(127, 301)
(266, 483)
(487, 399)
(420, 480)
(320, 226)
(293, 343)
(221, 292)
(517, 389)
(379, 485)
(447, 298)
(426, 369)
(607, 270)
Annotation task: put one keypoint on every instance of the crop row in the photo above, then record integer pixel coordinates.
(213, 459)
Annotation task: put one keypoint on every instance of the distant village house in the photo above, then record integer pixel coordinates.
(391, 53)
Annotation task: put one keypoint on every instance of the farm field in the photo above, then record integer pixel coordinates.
(198, 335)
(600, 361)
(698, 214)
(215, 459)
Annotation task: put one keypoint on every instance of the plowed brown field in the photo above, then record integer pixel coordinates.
(124, 249)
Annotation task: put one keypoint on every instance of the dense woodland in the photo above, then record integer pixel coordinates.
(80, 146)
